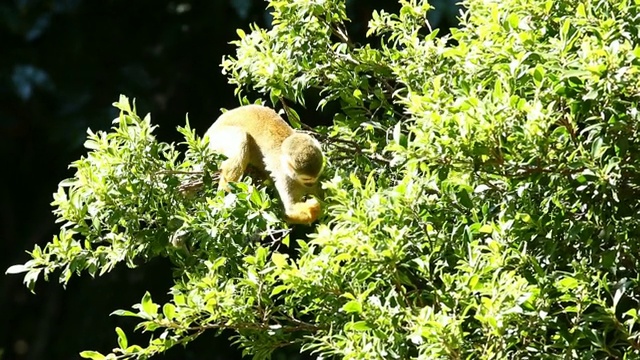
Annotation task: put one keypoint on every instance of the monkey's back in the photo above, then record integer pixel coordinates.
(265, 128)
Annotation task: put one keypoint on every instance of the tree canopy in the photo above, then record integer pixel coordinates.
(480, 192)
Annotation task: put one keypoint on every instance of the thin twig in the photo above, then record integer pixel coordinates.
(352, 146)
(245, 326)
(190, 186)
(280, 233)
(181, 172)
(341, 33)
(285, 106)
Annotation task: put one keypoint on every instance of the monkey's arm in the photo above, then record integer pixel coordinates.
(296, 210)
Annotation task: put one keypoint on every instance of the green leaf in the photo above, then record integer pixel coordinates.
(397, 133)
(294, 118)
(278, 289)
(360, 326)
(576, 73)
(169, 311)
(464, 198)
(270, 217)
(355, 181)
(148, 306)
(566, 25)
(597, 148)
(31, 277)
(538, 73)
(548, 5)
(179, 299)
(17, 269)
(567, 283)
(125, 313)
(123, 104)
(497, 90)
(217, 263)
(122, 338)
(94, 355)
(279, 260)
(513, 20)
(352, 306)
(91, 145)
(591, 95)
(256, 198)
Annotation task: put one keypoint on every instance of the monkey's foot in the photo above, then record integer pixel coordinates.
(223, 184)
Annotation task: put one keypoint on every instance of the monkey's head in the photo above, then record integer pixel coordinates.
(302, 158)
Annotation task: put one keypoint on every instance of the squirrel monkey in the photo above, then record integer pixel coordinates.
(257, 135)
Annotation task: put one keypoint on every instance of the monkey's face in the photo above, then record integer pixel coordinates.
(296, 175)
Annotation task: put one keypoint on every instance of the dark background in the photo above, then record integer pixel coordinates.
(62, 64)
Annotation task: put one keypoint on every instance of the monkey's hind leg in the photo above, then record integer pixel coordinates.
(234, 144)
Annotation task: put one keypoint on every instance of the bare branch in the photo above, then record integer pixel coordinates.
(347, 145)
(300, 326)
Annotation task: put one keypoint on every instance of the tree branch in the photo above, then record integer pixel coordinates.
(300, 326)
(347, 145)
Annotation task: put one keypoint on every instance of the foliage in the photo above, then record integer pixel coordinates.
(63, 63)
(480, 193)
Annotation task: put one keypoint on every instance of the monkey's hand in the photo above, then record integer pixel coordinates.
(304, 213)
